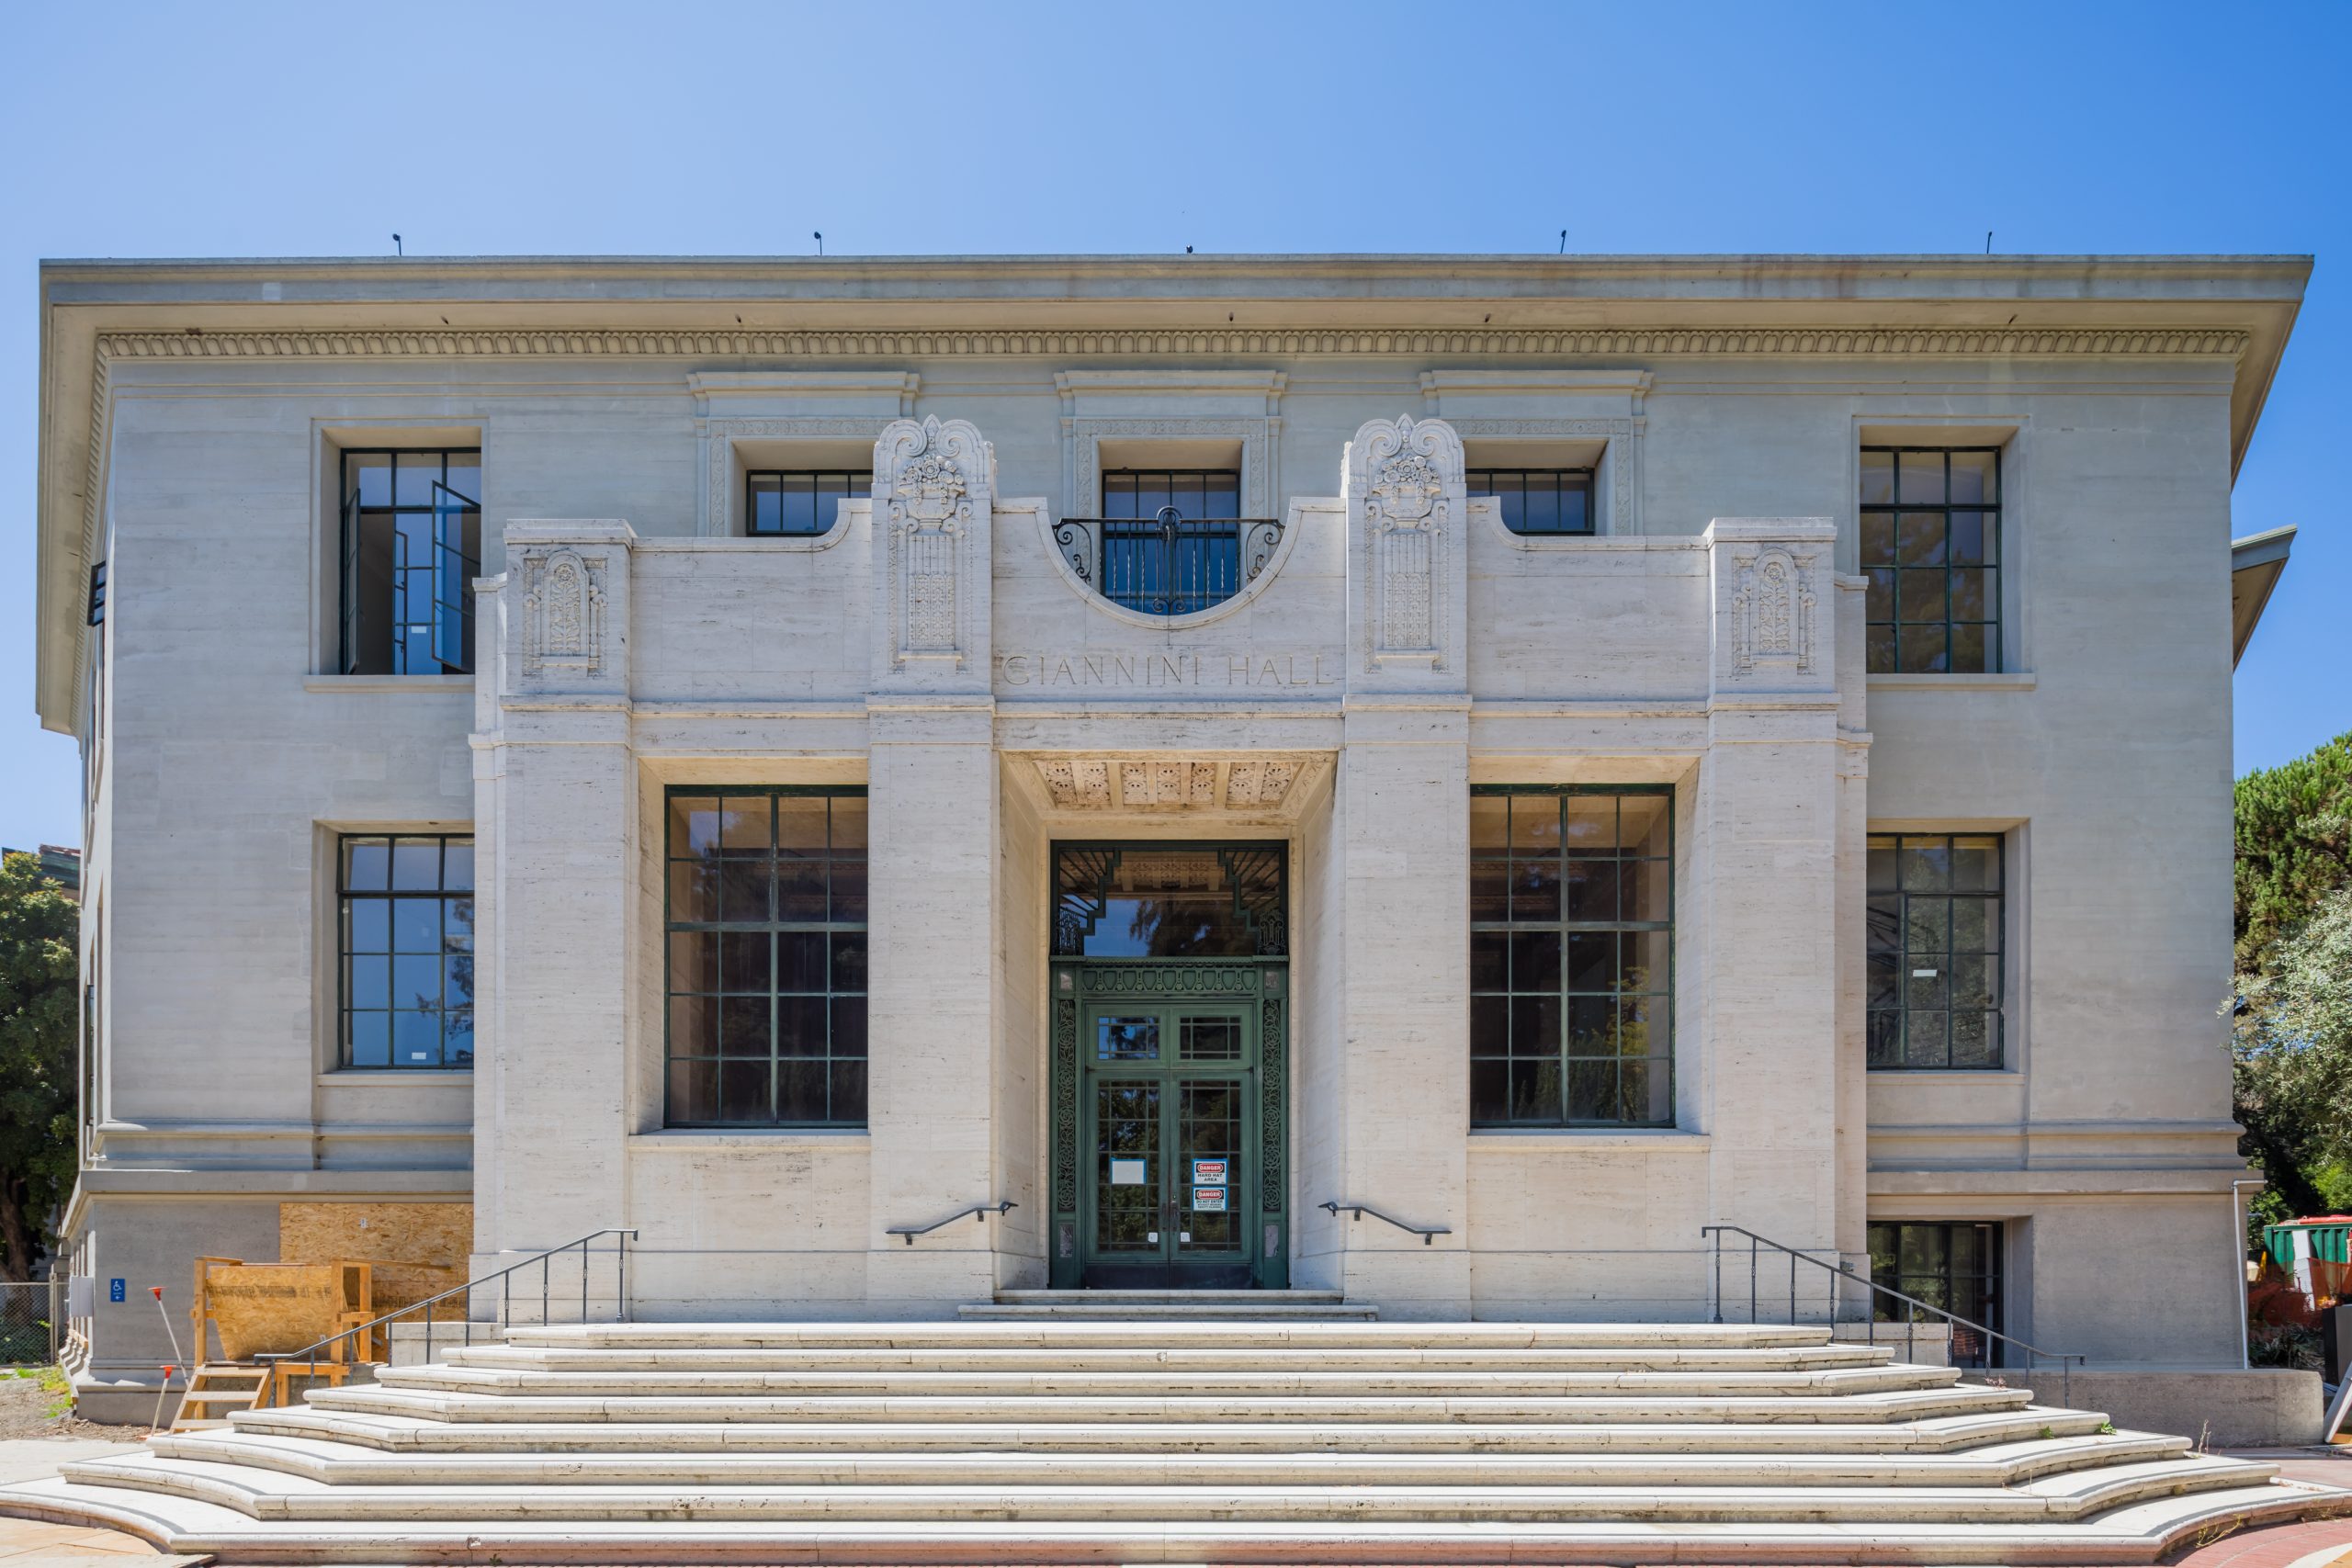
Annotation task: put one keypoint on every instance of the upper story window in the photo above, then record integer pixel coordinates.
(1171, 541)
(412, 547)
(766, 963)
(1931, 539)
(408, 950)
(1571, 956)
(1540, 502)
(1935, 949)
(97, 615)
(798, 503)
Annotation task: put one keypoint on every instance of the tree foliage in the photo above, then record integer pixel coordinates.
(2294, 845)
(38, 972)
(2294, 1054)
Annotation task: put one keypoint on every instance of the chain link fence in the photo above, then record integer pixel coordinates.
(30, 1321)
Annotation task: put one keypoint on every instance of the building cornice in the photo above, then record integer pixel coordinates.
(1647, 342)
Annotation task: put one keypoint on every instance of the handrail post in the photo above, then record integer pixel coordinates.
(1718, 1232)
(1752, 1256)
(1793, 1290)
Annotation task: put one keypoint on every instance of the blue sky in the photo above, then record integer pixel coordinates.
(485, 128)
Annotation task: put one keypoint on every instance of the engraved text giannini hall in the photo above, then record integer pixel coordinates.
(1179, 668)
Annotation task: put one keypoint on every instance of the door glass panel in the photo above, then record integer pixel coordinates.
(1126, 1039)
(1208, 1137)
(1126, 1165)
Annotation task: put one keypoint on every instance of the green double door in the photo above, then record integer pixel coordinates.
(1172, 1112)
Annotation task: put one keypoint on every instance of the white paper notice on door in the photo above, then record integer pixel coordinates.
(1126, 1173)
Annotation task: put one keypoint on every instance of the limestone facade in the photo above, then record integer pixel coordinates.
(939, 642)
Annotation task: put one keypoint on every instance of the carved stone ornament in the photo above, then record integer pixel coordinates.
(563, 611)
(1773, 609)
(1412, 489)
(928, 479)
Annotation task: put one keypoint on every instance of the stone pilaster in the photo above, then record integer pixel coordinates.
(556, 827)
(1388, 968)
(1763, 1013)
(935, 1036)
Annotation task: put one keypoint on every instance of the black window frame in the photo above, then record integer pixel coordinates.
(449, 575)
(1910, 917)
(1904, 558)
(453, 951)
(1972, 1294)
(1485, 482)
(98, 611)
(843, 1065)
(857, 485)
(1494, 1046)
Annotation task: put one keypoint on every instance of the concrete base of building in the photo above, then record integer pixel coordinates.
(2212, 1406)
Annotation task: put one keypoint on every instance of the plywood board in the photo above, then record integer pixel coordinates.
(278, 1307)
(440, 1234)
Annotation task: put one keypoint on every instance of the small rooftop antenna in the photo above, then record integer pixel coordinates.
(820, 240)
(1988, 241)
(396, 246)
(1564, 241)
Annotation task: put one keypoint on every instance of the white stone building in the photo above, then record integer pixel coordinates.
(1564, 751)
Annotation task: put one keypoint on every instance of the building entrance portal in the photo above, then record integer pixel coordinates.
(1170, 991)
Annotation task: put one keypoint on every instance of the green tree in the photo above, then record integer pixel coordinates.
(2293, 1061)
(38, 975)
(2294, 845)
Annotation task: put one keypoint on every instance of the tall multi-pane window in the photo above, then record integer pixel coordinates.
(1571, 956)
(1931, 543)
(1539, 501)
(412, 548)
(1935, 949)
(1952, 1265)
(789, 501)
(766, 962)
(408, 950)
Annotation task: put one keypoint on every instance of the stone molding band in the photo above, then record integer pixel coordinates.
(500, 344)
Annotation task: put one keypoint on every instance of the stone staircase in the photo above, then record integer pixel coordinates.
(1043, 1428)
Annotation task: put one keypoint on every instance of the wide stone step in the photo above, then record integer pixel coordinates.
(1174, 1298)
(1949, 1434)
(2141, 1532)
(1195, 1312)
(1135, 1440)
(1890, 1406)
(1168, 1382)
(1108, 1358)
(337, 1463)
(1162, 1334)
(266, 1494)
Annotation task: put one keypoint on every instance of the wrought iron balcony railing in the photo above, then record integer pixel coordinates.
(1168, 564)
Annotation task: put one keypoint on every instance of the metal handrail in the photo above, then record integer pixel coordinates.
(1756, 1244)
(981, 1211)
(309, 1356)
(1427, 1233)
